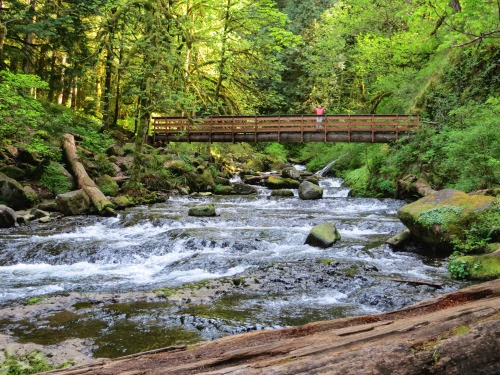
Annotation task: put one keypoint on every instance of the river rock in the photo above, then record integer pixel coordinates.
(314, 179)
(8, 217)
(13, 172)
(275, 182)
(13, 194)
(282, 193)
(203, 210)
(123, 201)
(108, 185)
(399, 239)
(308, 191)
(244, 189)
(440, 216)
(73, 203)
(323, 235)
(31, 193)
(201, 180)
(290, 172)
(224, 190)
(38, 214)
(48, 205)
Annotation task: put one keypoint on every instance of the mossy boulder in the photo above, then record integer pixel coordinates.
(48, 205)
(203, 210)
(244, 189)
(123, 201)
(13, 172)
(177, 167)
(309, 191)
(399, 240)
(323, 235)
(282, 193)
(201, 180)
(73, 203)
(290, 172)
(13, 194)
(108, 185)
(314, 179)
(275, 182)
(224, 190)
(442, 216)
(477, 267)
(8, 217)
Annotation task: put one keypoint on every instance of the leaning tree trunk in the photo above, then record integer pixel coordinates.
(100, 202)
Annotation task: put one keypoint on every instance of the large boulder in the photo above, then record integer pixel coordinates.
(13, 194)
(73, 203)
(108, 185)
(224, 190)
(244, 189)
(275, 182)
(308, 191)
(8, 217)
(323, 235)
(290, 172)
(177, 167)
(13, 172)
(202, 210)
(442, 216)
(201, 180)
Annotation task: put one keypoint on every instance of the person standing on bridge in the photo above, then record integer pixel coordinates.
(320, 111)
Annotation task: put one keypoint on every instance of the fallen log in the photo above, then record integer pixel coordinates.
(415, 282)
(99, 200)
(457, 333)
(411, 186)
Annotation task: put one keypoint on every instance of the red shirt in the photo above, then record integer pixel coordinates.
(320, 111)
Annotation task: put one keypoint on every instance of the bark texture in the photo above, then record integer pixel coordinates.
(458, 333)
(99, 200)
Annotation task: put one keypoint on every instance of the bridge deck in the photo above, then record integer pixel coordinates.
(287, 128)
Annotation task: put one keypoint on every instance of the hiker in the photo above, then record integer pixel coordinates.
(320, 111)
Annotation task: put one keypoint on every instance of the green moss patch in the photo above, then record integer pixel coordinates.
(481, 267)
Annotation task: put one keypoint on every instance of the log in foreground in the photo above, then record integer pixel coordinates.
(99, 200)
(457, 333)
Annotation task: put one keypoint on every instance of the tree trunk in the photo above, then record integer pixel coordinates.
(222, 63)
(100, 202)
(28, 40)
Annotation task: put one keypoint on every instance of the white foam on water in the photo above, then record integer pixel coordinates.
(330, 298)
(199, 274)
(358, 233)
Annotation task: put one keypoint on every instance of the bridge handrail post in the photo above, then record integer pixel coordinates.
(255, 120)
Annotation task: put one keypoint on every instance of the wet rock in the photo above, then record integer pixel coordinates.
(399, 239)
(108, 185)
(8, 217)
(275, 182)
(48, 205)
(13, 194)
(244, 189)
(73, 203)
(314, 179)
(202, 210)
(282, 193)
(123, 201)
(13, 172)
(323, 235)
(39, 214)
(440, 216)
(309, 191)
(224, 190)
(290, 172)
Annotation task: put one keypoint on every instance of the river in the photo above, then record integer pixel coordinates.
(256, 242)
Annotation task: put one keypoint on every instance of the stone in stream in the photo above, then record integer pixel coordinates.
(323, 235)
(202, 210)
(39, 214)
(224, 190)
(290, 172)
(244, 189)
(13, 194)
(275, 182)
(399, 239)
(8, 217)
(73, 203)
(442, 216)
(282, 193)
(308, 191)
(48, 205)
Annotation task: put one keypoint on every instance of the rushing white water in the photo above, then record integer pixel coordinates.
(159, 245)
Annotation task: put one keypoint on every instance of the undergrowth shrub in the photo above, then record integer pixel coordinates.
(54, 179)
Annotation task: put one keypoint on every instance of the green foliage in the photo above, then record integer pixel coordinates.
(32, 363)
(439, 216)
(34, 300)
(54, 179)
(276, 152)
(458, 269)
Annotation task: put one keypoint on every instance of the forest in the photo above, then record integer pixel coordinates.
(130, 245)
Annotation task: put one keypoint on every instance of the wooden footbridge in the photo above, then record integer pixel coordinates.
(286, 128)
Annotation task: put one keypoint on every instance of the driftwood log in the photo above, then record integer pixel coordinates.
(457, 333)
(99, 200)
(411, 186)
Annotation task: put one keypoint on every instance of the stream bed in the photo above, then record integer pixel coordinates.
(155, 277)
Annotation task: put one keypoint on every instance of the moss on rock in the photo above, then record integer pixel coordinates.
(203, 210)
(323, 235)
(479, 267)
(108, 185)
(275, 182)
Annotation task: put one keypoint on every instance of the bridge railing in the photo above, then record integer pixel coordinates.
(170, 126)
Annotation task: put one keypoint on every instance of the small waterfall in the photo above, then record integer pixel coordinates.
(321, 172)
(236, 179)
